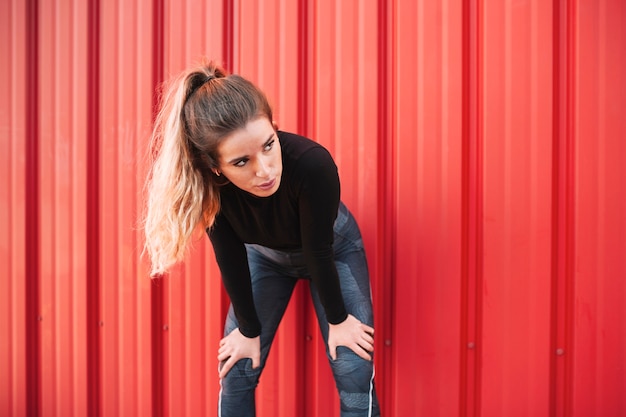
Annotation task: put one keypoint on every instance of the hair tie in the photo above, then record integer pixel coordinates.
(196, 86)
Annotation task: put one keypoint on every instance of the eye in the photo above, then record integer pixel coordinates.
(241, 162)
(268, 146)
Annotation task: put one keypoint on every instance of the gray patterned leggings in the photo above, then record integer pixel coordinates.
(274, 275)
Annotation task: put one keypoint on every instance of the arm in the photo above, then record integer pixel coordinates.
(232, 260)
(244, 341)
(318, 203)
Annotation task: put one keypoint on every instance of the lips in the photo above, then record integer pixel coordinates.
(267, 185)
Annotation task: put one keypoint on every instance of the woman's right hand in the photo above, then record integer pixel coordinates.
(236, 346)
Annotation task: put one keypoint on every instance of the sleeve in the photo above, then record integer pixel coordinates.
(232, 260)
(318, 202)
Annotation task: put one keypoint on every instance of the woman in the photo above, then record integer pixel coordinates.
(269, 201)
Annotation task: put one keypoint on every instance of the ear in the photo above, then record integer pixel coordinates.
(216, 172)
(275, 124)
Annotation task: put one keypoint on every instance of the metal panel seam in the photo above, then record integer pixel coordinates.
(386, 189)
(304, 95)
(157, 288)
(32, 268)
(564, 76)
(472, 212)
(228, 34)
(93, 213)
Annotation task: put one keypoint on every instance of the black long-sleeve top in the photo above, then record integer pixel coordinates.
(298, 216)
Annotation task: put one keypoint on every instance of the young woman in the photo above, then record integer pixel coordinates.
(270, 203)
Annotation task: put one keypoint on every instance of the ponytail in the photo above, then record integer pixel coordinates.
(198, 109)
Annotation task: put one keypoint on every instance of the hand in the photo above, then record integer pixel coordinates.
(236, 346)
(352, 334)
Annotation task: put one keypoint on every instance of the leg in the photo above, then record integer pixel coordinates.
(272, 290)
(353, 375)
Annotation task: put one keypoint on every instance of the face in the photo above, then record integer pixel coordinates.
(251, 158)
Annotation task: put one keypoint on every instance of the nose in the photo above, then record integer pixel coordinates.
(262, 168)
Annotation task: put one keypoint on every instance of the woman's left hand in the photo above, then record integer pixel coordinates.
(352, 334)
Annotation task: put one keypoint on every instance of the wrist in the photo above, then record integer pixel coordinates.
(338, 320)
(250, 333)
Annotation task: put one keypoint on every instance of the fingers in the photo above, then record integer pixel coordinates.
(358, 349)
(333, 352)
(222, 356)
(361, 352)
(353, 334)
(224, 351)
(362, 348)
(366, 345)
(226, 366)
(368, 329)
(367, 338)
(228, 362)
(256, 361)
(235, 347)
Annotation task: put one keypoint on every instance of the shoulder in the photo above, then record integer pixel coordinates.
(308, 167)
(303, 154)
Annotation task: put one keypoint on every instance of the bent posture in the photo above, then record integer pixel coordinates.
(270, 203)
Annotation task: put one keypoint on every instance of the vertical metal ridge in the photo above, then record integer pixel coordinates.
(228, 34)
(94, 363)
(304, 89)
(157, 313)
(386, 201)
(157, 289)
(465, 109)
(472, 213)
(228, 54)
(12, 306)
(563, 182)
(32, 224)
(303, 67)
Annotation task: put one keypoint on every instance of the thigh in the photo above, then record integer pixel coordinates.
(352, 268)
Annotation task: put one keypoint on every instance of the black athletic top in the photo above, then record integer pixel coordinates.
(298, 216)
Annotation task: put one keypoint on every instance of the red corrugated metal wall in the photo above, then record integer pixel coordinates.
(482, 147)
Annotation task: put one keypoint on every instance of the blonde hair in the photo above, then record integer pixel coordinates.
(198, 109)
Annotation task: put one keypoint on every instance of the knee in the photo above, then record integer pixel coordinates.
(241, 377)
(350, 366)
(354, 379)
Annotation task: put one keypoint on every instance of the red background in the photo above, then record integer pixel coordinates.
(481, 145)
